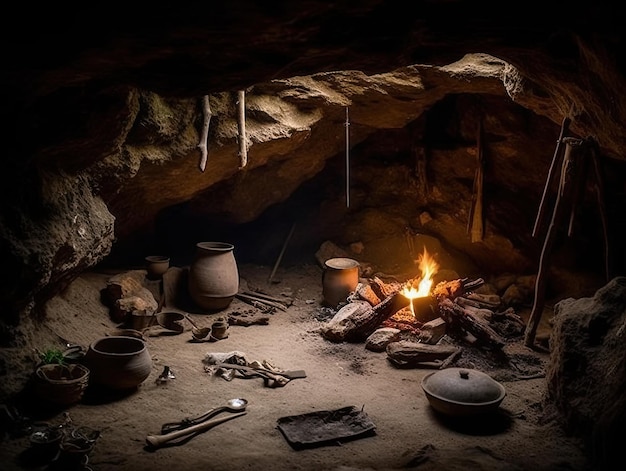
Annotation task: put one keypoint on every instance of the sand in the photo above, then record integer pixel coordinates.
(403, 431)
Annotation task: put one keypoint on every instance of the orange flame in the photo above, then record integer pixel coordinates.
(428, 266)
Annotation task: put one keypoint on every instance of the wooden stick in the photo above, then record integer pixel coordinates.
(282, 252)
(475, 224)
(579, 172)
(257, 304)
(246, 297)
(420, 156)
(347, 159)
(540, 282)
(555, 158)
(599, 191)
(241, 124)
(258, 294)
(448, 361)
(204, 135)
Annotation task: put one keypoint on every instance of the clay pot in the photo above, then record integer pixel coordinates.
(157, 265)
(76, 447)
(118, 362)
(172, 321)
(45, 442)
(219, 329)
(213, 276)
(339, 278)
(140, 320)
(61, 384)
(462, 391)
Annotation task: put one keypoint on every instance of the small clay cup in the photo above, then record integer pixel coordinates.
(157, 265)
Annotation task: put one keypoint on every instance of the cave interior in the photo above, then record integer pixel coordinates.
(496, 145)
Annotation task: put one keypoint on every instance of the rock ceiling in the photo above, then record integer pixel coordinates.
(102, 115)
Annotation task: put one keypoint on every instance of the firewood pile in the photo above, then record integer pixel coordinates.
(379, 314)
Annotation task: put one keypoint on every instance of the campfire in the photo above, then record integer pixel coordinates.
(412, 317)
(429, 267)
(418, 292)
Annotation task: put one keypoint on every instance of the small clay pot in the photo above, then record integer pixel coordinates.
(339, 279)
(118, 362)
(171, 320)
(45, 442)
(157, 265)
(61, 384)
(140, 320)
(219, 329)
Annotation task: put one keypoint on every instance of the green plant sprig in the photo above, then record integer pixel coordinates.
(52, 356)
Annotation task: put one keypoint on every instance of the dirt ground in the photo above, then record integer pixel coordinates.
(407, 432)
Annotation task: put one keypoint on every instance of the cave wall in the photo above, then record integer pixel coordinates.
(115, 105)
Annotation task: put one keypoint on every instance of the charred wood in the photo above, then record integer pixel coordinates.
(432, 331)
(384, 290)
(358, 320)
(406, 354)
(462, 320)
(366, 293)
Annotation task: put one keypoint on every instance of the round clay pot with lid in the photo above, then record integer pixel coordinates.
(213, 276)
(118, 362)
(462, 391)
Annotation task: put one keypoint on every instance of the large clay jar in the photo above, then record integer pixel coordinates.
(118, 362)
(339, 279)
(213, 276)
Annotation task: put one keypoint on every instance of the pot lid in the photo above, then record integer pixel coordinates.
(463, 385)
(341, 263)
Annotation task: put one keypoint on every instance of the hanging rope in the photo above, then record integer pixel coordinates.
(347, 159)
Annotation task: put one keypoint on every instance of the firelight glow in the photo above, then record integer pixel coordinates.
(428, 266)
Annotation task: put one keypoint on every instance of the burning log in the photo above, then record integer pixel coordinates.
(463, 320)
(358, 320)
(407, 354)
(455, 288)
(383, 290)
(366, 293)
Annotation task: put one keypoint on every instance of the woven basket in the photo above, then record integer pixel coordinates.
(61, 384)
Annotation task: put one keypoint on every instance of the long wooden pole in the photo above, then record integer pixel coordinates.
(241, 124)
(282, 252)
(600, 198)
(476, 218)
(347, 159)
(555, 159)
(544, 260)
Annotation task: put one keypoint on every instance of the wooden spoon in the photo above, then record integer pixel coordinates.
(198, 333)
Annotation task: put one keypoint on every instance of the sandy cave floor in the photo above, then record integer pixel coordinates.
(409, 434)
